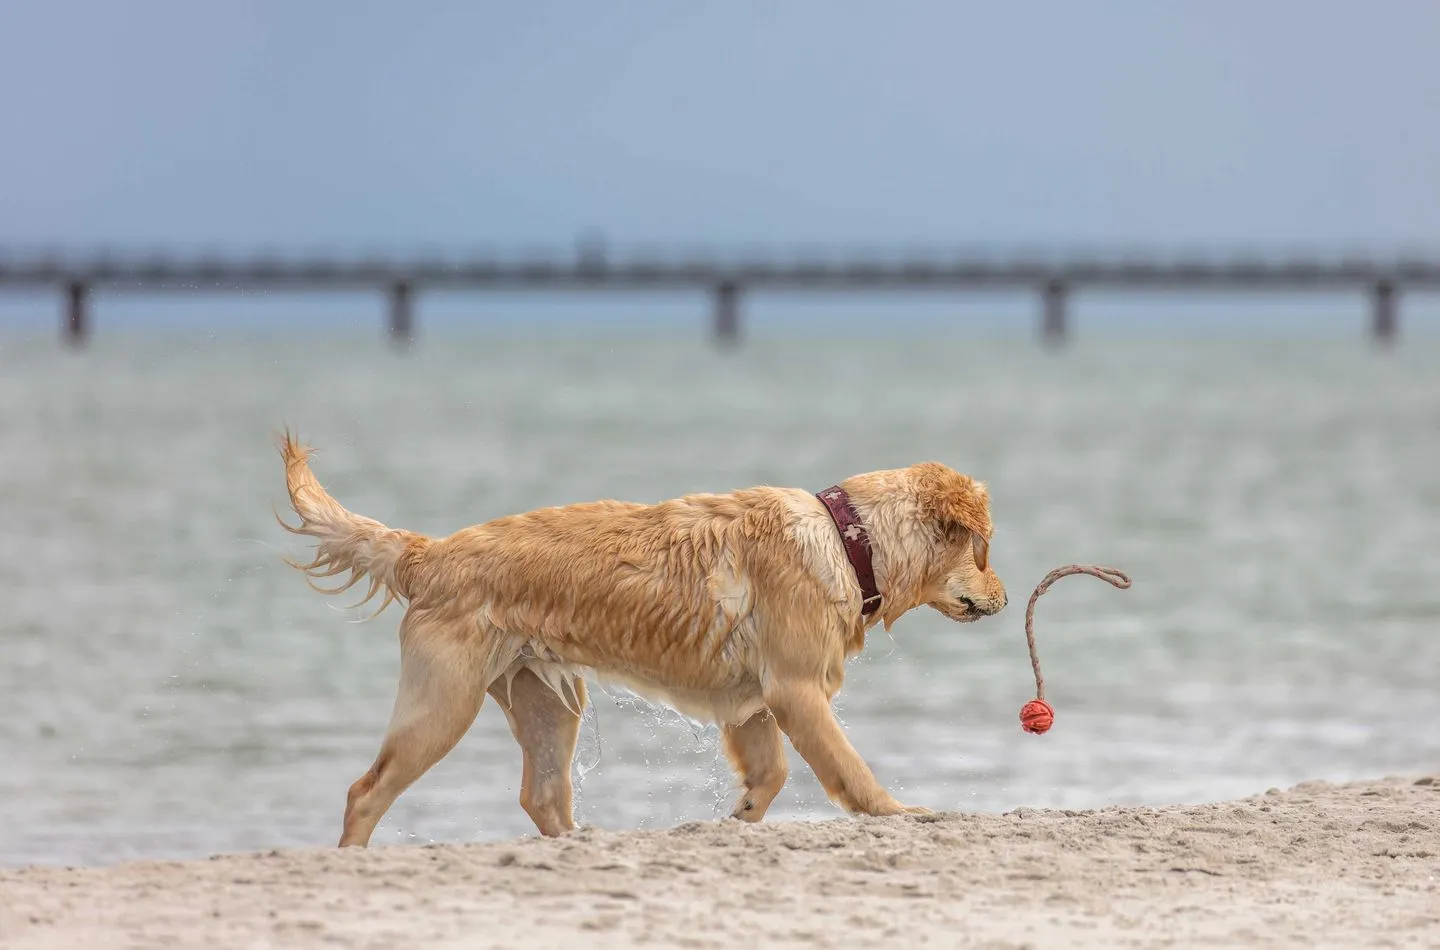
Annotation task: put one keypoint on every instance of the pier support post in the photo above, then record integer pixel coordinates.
(402, 314)
(77, 317)
(727, 313)
(1053, 327)
(1383, 323)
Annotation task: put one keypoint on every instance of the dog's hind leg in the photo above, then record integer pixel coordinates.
(546, 731)
(441, 689)
(757, 752)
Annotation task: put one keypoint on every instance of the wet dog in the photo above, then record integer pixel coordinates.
(739, 609)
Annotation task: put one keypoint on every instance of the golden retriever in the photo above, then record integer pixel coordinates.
(739, 609)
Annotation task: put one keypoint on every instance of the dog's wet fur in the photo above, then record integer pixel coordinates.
(738, 608)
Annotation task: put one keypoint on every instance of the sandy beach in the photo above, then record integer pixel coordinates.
(1332, 865)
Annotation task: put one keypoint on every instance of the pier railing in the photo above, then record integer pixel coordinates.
(1054, 279)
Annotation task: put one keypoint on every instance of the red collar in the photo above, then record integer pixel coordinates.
(857, 544)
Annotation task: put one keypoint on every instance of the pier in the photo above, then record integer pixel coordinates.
(1054, 280)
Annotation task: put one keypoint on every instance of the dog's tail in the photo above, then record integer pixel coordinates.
(347, 541)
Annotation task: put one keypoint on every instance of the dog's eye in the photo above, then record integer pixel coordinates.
(981, 549)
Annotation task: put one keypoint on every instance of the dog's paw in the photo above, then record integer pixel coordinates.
(892, 807)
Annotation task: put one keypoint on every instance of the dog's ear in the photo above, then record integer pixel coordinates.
(955, 501)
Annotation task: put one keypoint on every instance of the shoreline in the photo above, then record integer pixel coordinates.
(1320, 864)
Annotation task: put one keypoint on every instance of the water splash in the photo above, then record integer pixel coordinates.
(663, 723)
(587, 747)
(659, 716)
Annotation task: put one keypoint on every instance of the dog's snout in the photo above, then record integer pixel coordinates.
(987, 607)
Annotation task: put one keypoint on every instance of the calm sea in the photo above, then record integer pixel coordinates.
(168, 688)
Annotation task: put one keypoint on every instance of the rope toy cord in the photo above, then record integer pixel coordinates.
(1037, 716)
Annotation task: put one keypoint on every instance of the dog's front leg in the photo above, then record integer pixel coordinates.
(803, 713)
(757, 752)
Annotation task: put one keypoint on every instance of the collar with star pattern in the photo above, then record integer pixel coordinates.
(857, 544)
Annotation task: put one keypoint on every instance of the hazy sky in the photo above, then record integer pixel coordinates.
(367, 123)
(358, 124)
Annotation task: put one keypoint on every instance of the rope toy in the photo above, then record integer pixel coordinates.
(1037, 716)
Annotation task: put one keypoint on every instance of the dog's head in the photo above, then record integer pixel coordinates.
(962, 584)
(944, 561)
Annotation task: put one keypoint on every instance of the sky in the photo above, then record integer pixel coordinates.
(359, 126)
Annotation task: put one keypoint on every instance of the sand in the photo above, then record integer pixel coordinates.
(1319, 865)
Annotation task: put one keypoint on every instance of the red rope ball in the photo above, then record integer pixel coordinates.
(1036, 717)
